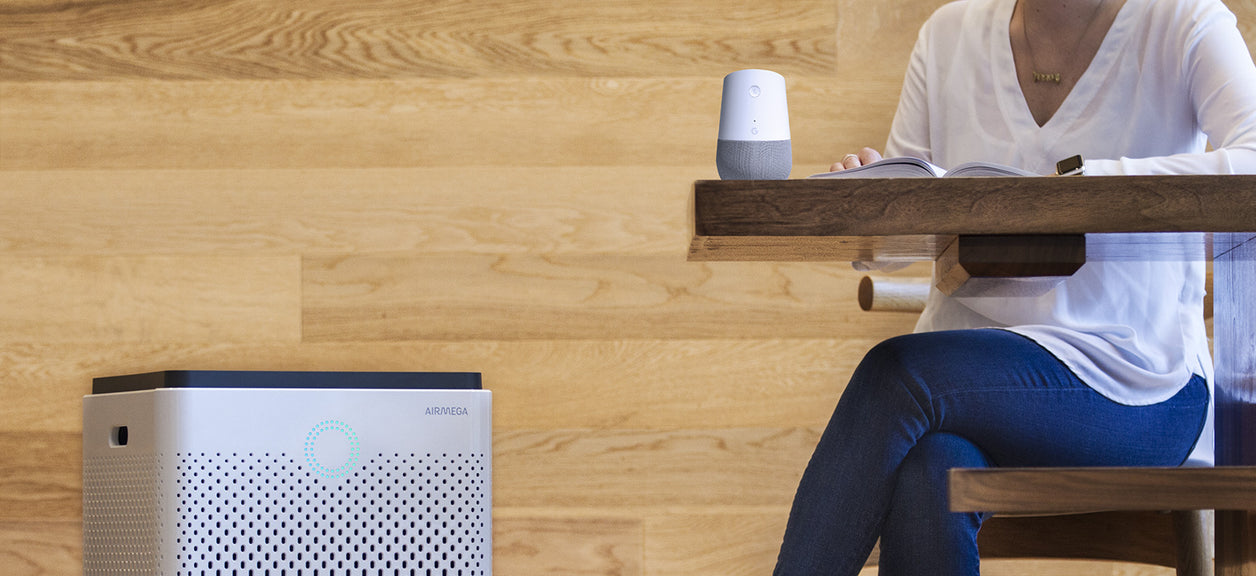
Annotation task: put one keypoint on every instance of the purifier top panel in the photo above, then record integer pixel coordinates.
(293, 380)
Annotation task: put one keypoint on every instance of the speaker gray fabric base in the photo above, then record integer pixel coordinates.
(754, 160)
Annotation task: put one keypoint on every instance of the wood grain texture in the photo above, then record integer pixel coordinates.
(1073, 490)
(146, 299)
(895, 249)
(715, 541)
(875, 40)
(389, 38)
(41, 476)
(596, 296)
(289, 212)
(1196, 542)
(1124, 218)
(634, 468)
(578, 546)
(473, 124)
(41, 548)
(570, 384)
(908, 248)
(874, 207)
(1236, 543)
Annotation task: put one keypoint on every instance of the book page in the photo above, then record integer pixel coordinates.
(985, 170)
(899, 167)
(907, 167)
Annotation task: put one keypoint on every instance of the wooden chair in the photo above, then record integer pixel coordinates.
(1182, 540)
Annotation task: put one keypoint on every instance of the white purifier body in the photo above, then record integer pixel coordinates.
(287, 473)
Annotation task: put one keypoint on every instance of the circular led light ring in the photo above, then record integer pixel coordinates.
(355, 448)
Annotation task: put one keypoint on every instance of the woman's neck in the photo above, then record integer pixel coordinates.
(1060, 14)
(1053, 43)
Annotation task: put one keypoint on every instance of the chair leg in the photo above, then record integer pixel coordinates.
(1193, 530)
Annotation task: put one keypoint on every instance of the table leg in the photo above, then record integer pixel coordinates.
(1236, 543)
(1234, 330)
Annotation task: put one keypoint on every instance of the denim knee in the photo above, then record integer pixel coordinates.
(892, 366)
(924, 471)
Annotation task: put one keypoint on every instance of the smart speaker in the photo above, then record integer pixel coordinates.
(287, 473)
(753, 142)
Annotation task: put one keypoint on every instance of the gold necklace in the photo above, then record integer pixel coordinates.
(1053, 76)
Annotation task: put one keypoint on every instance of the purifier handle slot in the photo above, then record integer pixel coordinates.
(119, 436)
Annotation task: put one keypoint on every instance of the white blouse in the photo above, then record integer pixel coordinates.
(1170, 77)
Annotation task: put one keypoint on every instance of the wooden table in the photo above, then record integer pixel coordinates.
(983, 230)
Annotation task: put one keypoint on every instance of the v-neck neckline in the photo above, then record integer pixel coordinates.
(1012, 96)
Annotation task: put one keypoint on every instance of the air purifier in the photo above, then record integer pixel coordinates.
(202, 473)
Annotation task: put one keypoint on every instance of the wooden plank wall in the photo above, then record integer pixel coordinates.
(496, 186)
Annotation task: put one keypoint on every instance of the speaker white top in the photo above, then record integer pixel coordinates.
(753, 107)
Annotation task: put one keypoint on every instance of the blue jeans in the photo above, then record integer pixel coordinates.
(921, 404)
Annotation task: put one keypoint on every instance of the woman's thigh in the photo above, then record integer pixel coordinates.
(1023, 407)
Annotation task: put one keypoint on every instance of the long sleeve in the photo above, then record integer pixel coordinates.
(909, 133)
(1217, 69)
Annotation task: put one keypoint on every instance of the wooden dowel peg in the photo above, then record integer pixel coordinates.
(893, 294)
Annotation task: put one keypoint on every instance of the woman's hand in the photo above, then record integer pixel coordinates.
(865, 156)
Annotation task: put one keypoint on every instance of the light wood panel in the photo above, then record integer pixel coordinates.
(634, 384)
(875, 40)
(1245, 10)
(389, 38)
(714, 541)
(578, 296)
(738, 466)
(479, 124)
(395, 38)
(41, 476)
(344, 211)
(583, 546)
(149, 299)
(41, 548)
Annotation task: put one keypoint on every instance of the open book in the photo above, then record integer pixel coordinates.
(906, 167)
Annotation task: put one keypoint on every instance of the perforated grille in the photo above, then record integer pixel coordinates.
(271, 514)
(122, 520)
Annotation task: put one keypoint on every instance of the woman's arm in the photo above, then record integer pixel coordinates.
(909, 133)
(1221, 78)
